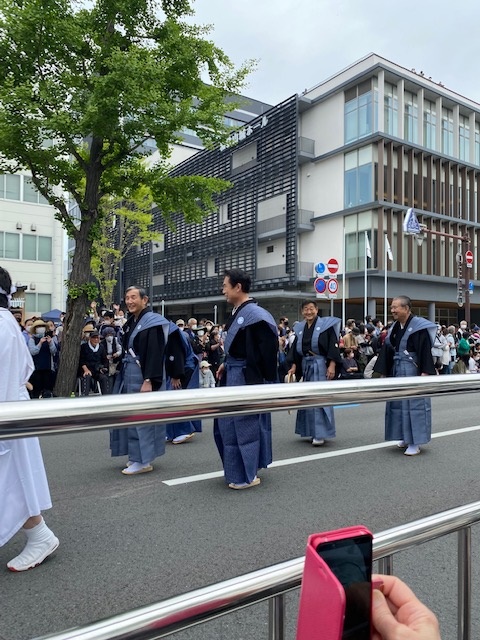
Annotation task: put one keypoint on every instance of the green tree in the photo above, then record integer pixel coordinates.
(124, 225)
(82, 86)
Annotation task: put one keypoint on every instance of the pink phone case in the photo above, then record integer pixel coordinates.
(322, 597)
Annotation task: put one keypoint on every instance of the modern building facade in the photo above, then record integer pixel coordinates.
(310, 176)
(31, 245)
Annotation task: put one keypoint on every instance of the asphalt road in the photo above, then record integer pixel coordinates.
(129, 541)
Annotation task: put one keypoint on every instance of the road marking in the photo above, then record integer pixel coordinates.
(315, 456)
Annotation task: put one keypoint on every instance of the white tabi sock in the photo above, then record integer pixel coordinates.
(41, 542)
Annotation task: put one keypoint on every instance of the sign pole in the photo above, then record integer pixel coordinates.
(466, 286)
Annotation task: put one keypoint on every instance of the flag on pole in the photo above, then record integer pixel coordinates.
(368, 250)
(388, 249)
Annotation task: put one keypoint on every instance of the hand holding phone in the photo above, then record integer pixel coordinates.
(336, 594)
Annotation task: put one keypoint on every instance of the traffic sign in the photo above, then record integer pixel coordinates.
(320, 268)
(332, 265)
(320, 285)
(469, 259)
(470, 286)
(332, 285)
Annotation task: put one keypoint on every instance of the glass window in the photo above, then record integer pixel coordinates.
(391, 109)
(358, 177)
(358, 112)
(464, 138)
(44, 302)
(12, 187)
(29, 247)
(477, 143)
(30, 194)
(447, 132)
(12, 246)
(45, 249)
(411, 117)
(2, 240)
(31, 303)
(429, 124)
(355, 227)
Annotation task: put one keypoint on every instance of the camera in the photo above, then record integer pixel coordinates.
(49, 334)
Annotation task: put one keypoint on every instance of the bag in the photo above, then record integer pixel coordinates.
(290, 377)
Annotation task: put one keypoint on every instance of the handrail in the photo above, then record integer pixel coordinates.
(181, 612)
(61, 415)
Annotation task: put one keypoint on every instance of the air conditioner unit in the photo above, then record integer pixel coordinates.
(19, 225)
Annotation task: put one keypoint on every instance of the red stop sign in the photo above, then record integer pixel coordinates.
(332, 265)
(469, 259)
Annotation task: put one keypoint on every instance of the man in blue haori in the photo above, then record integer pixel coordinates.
(407, 351)
(153, 349)
(315, 355)
(251, 347)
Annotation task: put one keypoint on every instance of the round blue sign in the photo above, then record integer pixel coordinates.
(320, 268)
(320, 285)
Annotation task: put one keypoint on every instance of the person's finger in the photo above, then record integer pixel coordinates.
(397, 591)
(382, 618)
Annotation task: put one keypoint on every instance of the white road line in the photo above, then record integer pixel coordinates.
(315, 456)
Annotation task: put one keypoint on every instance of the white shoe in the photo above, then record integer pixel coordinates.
(137, 467)
(402, 444)
(412, 450)
(182, 439)
(318, 443)
(34, 553)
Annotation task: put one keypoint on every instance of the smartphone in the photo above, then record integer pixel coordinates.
(336, 593)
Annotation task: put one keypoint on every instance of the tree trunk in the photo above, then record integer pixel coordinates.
(74, 321)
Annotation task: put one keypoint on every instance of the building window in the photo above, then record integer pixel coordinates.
(9, 245)
(477, 143)
(355, 227)
(38, 302)
(359, 112)
(36, 248)
(429, 124)
(30, 193)
(464, 138)
(411, 117)
(358, 177)
(270, 248)
(224, 214)
(391, 109)
(244, 155)
(447, 132)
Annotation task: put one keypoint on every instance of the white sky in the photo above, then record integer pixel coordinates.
(299, 43)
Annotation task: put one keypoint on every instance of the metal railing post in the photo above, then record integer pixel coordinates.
(276, 617)
(385, 565)
(465, 584)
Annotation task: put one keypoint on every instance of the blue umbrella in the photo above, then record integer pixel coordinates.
(54, 315)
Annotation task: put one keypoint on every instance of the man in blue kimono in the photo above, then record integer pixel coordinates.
(407, 351)
(251, 347)
(315, 355)
(181, 432)
(153, 349)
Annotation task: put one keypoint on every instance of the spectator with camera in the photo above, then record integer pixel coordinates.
(93, 366)
(43, 350)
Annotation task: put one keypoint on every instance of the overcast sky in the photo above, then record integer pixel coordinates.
(299, 43)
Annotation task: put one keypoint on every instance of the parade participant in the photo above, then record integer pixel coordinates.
(181, 432)
(24, 492)
(315, 353)
(251, 344)
(407, 352)
(146, 360)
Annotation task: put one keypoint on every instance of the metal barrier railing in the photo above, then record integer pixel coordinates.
(202, 605)
(161, 619)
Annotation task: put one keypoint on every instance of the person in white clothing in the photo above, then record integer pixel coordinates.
(24, 491)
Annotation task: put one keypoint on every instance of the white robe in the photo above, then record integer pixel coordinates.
(23, 483)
